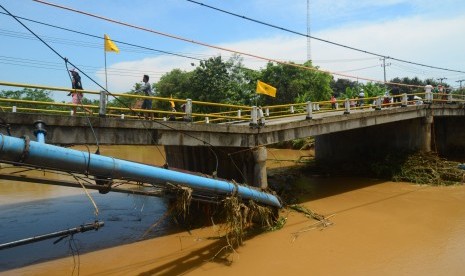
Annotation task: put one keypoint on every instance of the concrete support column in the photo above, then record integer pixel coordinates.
(260, 178)
(309, 110)
(188, 110)
(426, 124)
(379, 101)
(103, 104)
(404, 101)
(260, 117)
(346, 106)
(253, 116)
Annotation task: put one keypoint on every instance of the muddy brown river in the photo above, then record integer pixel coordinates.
(376, 228)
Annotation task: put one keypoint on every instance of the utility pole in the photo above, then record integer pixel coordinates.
(384, 67)
(441, 79)
(309, 50)
(460, 82)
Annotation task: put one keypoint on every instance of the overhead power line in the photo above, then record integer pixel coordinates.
(316, 38)
(203, 43)
(101, 38)
(16, 61)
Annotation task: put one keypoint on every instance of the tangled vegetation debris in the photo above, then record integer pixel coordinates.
(424, 168)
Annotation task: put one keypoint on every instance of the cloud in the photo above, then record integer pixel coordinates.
(423, 40)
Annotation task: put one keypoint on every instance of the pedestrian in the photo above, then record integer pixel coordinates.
(172, 116)
(428, 92)
(333, 101)
(395, 91)
(442, 92)
(146, 88)
(361, 96)
(76, 95)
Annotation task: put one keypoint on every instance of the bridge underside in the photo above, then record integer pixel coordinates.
(373, 143)
(445, 135)
(449, 136)
(243, 165)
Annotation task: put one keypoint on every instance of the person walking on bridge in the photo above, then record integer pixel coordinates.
(361, 97)
(146, 88)
(333, 101)
(76, 95)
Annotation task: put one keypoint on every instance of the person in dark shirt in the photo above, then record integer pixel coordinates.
(146, 88)
(77, 96)
(395, 92)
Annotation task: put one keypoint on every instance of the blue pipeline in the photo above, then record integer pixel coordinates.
(40, 137)
(49, 156)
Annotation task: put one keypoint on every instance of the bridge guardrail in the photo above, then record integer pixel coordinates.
(226, 113)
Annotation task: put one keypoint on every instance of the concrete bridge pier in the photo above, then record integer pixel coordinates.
(260, 179)
(427, 124)
(243, 165)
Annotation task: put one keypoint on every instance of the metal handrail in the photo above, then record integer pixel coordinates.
(278, 111)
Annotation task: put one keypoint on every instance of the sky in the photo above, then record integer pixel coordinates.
(417, 31)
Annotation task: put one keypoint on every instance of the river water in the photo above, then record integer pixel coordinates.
(378, 228)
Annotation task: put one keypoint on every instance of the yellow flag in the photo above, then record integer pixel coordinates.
(110, 46)
(264, 88)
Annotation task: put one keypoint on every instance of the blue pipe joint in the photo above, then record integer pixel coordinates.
(40, 131)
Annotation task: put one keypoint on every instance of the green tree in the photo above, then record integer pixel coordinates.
(27, 94)
(340, 86)
(174, 84)
(373, 89)
(214, 80)
(243, 82)
(296, 84)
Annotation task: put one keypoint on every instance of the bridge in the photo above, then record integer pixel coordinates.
(236, 136)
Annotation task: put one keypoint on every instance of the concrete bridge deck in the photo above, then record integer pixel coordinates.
(76, 130)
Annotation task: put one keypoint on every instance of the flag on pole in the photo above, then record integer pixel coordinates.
(264, 88)
(110, 46)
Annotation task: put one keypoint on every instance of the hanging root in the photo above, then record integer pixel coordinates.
(236, 220)
(241, 216)
(264, 215)
(183, 198)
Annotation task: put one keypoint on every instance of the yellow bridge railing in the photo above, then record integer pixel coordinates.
(226, 113)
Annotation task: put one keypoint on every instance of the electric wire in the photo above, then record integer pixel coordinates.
(55, 65)
(100, 37)
(109, 93)
(31, 63)
(316, 38)
(63, 58)
(209, 45)
(358, 69)
(217, 161)
(77, 68)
